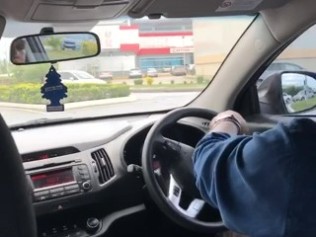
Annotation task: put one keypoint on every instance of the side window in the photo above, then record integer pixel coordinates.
(289, 84)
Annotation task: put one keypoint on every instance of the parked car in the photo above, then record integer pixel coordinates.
(105, 76)
(135, 73)
(278, 67)
(71, 43)
(74, 42)
(152, 72)
(303, 95)
(77, 76)
(179, 70)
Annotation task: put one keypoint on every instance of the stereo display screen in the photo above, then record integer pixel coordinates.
(52, 178)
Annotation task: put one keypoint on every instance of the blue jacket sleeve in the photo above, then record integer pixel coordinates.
(246, 178)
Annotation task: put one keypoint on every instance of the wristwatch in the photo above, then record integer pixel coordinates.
(231, 119)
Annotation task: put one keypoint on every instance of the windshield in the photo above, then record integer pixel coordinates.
(152, 65)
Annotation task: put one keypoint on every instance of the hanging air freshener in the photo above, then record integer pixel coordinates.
(54, 90)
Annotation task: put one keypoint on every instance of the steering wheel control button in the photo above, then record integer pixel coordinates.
(176, 191)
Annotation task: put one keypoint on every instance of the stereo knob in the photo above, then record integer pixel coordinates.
(86, 185)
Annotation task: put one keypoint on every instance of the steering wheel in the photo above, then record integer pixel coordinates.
(168, 174)
(17, 217)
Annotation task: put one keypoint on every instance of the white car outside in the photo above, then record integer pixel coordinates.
(152, 72)
(135, 73)
(303, 95)
(77, 76)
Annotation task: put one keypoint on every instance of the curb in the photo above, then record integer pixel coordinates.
(163, 90)
(42, 108)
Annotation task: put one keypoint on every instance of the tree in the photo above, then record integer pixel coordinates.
(53, 89)
(3, 66)
(292, 90)
(29, 73)
(89, 48)
(54, 42)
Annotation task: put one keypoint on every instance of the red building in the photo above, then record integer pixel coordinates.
(148, 45)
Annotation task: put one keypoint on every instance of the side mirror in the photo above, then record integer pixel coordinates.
(298, 91)
(288, 92)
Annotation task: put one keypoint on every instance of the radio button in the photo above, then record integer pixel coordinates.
(57, 190)
(83, 172)
(78, 177)
(54, 195)
(83, 166)
(71, 187)
(41, 196)
(41, 193)
(72, 191)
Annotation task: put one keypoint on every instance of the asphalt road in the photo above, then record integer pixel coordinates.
(140, 102)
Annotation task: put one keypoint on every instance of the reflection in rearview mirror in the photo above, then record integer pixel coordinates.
(298, 91)
(51, 48)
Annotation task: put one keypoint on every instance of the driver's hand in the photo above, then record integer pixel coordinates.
(218, 118)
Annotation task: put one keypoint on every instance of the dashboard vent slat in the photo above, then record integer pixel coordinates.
(105, 167)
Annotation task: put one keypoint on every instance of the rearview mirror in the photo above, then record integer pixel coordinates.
(55, 47)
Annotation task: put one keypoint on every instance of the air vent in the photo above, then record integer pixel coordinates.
(106, 171)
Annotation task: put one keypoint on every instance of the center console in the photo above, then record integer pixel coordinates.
(60, 181)
(65, 181)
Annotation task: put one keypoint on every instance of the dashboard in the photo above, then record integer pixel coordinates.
(78, 172)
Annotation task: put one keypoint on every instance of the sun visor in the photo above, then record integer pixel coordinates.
(197, 8)
(78, 10)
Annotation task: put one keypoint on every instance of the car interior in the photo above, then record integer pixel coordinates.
(130, 172)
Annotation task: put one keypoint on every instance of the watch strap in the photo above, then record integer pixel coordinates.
(231, 119)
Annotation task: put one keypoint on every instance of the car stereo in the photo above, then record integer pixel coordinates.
(60, 181)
